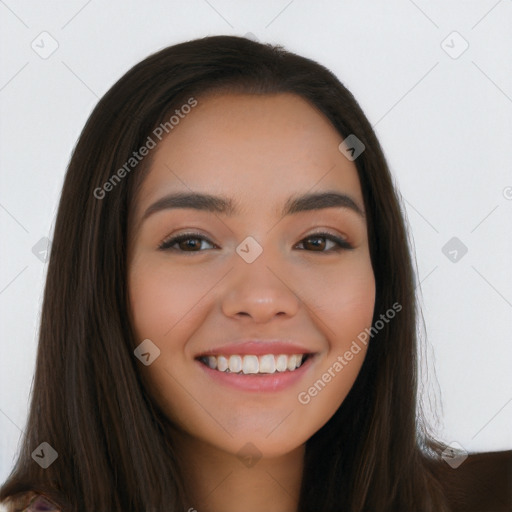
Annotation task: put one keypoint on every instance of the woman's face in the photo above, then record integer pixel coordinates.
(253, 284)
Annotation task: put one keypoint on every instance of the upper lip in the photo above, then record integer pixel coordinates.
(258, 348)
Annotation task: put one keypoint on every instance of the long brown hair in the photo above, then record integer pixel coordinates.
(88, 400)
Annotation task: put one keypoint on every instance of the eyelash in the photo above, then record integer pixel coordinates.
(166, 245)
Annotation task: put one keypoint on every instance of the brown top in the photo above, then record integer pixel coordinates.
(482, 483)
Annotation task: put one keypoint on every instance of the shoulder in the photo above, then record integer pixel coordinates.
(482, 483)
(28, 502)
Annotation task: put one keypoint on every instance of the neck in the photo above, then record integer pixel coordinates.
(218, 481)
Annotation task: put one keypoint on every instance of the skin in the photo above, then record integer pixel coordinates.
(259, 150)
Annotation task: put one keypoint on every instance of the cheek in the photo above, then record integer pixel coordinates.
(162, 303)
(344, 311)
(343, 298)
(161, 296)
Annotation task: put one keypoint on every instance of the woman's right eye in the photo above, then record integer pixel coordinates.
(168, 244)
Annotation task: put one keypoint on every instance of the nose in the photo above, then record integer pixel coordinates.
(261, 291)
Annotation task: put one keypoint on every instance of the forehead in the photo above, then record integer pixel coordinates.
(255, 148)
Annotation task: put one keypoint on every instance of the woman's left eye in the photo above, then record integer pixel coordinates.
(340, 244)
(312, 241)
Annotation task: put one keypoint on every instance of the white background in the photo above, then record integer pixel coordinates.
(444, 123)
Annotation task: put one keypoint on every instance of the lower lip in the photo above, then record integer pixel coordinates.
(259, 382)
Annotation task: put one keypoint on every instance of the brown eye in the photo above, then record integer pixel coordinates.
(187, 242)
(318, 241)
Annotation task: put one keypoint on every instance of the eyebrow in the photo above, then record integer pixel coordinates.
(227, 206)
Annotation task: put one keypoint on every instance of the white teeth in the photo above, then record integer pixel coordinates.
(222, 363)
(267, 364)
(281, 363)
(292, 363)
(235, 364)
(251, 364)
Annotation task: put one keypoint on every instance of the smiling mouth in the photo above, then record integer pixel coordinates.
(255, 365)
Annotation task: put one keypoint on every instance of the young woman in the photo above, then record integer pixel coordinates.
(229, 317)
